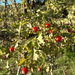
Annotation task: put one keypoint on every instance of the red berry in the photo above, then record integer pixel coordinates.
(58, 38)
(46, 40)
(35, 29)
(4, 56)
(39, 69)
(24, 70)
(69, 30)
(47, 25)
(11, 49)
(50, 31)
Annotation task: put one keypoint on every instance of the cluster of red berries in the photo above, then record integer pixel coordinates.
(47, 25)
(35, 29)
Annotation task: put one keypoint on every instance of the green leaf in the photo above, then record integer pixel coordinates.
(67, 35)
(46, 49)
(12, 59)
(4, 71)
(29, 40)
(38, 73)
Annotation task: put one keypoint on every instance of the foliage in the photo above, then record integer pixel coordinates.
(38, 49)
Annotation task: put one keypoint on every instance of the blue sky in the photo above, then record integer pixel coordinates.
(17, 1)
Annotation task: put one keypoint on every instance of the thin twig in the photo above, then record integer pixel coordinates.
(51, 65)
(51, 71)
(18, 70)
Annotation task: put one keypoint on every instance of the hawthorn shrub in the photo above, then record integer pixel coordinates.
(44, 40)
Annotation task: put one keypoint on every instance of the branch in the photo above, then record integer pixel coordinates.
(18, 70)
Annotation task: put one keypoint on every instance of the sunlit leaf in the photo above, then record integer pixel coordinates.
(22, 61)
(35, 56)
(40, 38)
